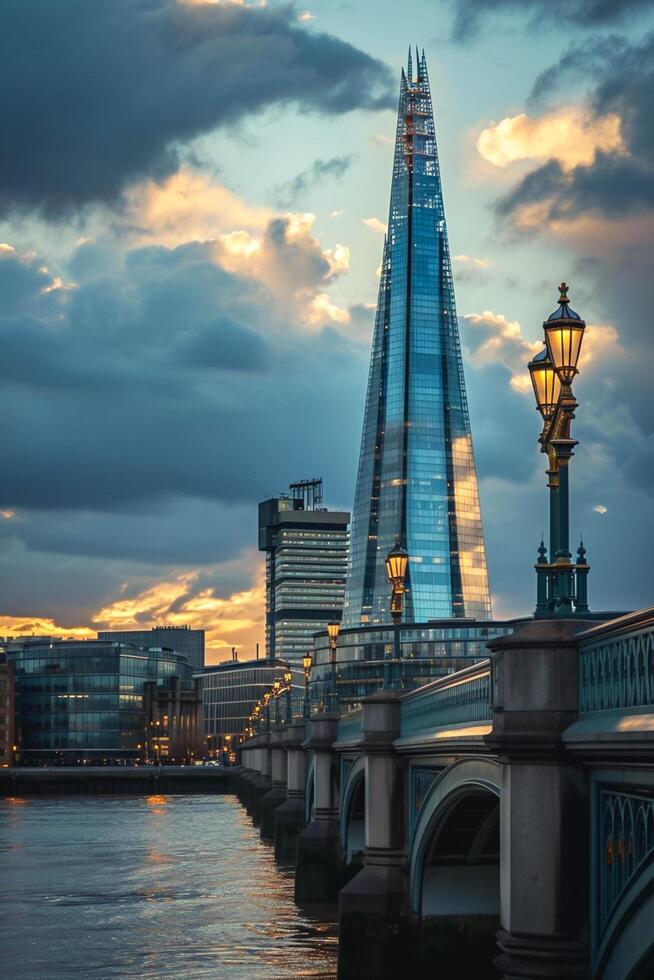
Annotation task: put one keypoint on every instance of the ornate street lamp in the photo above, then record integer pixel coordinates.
(561, 585)
(546, 382)
(397, 563)
(333, 629)
(277, 690)
(307, 663)
(288, 679)
(564, 332)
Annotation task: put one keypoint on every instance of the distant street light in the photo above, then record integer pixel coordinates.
(288, 680)
(307, 663)
(562, 587)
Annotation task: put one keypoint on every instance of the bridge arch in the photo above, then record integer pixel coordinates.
(352, 823)
(454, 861)
(626, 951)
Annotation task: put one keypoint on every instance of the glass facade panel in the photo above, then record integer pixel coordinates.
(231, 690)
(87, 698)
(417, 478)
(427, 651)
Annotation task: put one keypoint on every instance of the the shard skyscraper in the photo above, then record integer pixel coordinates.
(416, 477)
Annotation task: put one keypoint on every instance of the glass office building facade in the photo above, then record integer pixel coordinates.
(306, 564)
(181, 639)
(416, 479)
(428, 651)
(86, 699)
(230, 691)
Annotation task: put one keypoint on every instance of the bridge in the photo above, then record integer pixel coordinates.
(498, 822)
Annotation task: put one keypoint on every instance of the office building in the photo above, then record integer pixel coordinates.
(427, 651)
(85, 700)
(306, 561)
(416, 479)
(230, 691)
(8, 732)
(174, 728)
(181, 639)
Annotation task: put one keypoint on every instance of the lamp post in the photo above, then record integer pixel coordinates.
(397, 562)
(277, 690)
(307, 663)
(561, 585)
(333, 629)
(288, 679)
(266, 705)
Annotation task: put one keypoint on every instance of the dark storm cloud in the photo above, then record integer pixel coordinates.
(96, 95)
(470, 14)
(172, 379)
(613, 185)
(336, 167)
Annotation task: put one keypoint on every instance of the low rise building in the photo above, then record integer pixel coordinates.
(181, 639)
(230, 691)
(85, 701)
(8, 733)
(174, 721)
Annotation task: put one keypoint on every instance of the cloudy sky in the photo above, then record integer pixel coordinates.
(193, 197)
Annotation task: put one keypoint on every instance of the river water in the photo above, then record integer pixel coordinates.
(163, 886)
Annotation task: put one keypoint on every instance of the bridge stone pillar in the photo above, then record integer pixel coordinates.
(277, 792)
(543, 807)
(319, 857)
(263, 782)
(374, 924)
(290, 816)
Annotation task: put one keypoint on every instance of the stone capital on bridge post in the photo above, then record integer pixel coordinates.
(319, 859)
(543, 804)
(374, 925)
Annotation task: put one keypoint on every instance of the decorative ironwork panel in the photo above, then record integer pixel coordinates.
(422, 780)
(617, 672)
(460, 701)
(349, 726)
(625, 844)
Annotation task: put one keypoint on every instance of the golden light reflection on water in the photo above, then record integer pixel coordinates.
(168, 886)
(15, 800)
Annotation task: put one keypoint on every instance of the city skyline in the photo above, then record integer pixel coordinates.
(187, 290)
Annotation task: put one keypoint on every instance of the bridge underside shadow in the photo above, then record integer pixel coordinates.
(459, 887)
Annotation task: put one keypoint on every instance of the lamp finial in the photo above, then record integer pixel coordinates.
(563, 293)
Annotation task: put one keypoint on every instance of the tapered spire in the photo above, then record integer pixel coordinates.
(416, 477)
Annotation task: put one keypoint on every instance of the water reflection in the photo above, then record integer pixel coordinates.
(157, 887)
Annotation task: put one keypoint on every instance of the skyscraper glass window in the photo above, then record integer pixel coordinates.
(416, 479)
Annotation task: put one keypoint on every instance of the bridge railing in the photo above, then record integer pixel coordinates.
(349, 726)
(456, 699)
(616, 664)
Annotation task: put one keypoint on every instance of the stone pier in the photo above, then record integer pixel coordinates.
(319, 857)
